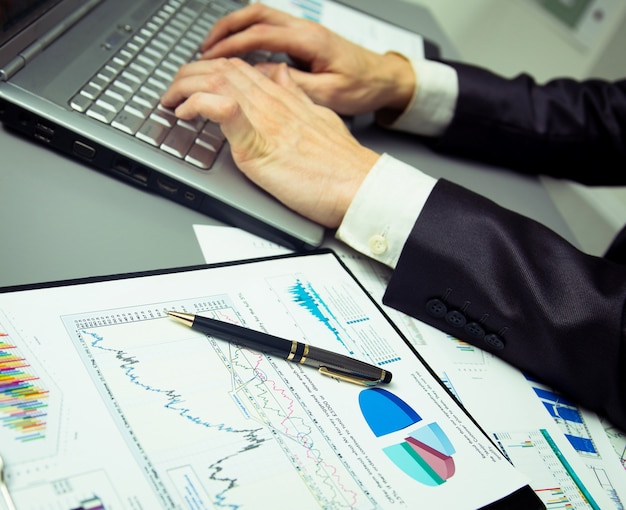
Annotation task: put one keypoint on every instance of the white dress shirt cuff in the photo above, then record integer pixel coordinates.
(384, 210)
(431, 109)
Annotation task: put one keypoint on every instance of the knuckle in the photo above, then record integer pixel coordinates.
(258, 30)
(259, 9)
(231, 108)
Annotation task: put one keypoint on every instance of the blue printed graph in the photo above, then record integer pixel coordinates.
(569, 418)
(425, 454)
(385, 412)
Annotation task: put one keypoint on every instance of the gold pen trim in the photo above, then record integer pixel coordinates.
(292, 352)
(304, 354)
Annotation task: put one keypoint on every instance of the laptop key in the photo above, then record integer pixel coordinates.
(162, 116)
(110, 103)
(164, 74)
(126, 83)
(152, 132)
(101, 113)
(157, 84)
(193, 125)
(209, 142)
(91, 91)
(139, 71)
(80, 103)
(138, 109)
(178, 141)
(149, 92)
(127, 121)
(146, 100)
(213, 129)
(146, 61)
(119, 94)
(201, 156)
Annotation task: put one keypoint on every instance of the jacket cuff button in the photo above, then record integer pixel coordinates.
(456, 319)
(474, 330)
(494, 341)
(436, 308)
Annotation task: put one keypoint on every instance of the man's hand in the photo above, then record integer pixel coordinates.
(333, 72)
(299, 152)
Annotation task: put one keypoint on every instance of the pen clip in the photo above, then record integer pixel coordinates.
(343, 376)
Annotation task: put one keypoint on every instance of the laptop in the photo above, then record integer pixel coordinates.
(84, 77)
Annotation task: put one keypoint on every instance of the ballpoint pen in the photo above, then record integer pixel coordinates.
(328, 363)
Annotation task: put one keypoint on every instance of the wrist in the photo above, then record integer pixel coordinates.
(350, 181)
(401, 81)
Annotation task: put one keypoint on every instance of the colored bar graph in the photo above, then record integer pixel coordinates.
(23, 402)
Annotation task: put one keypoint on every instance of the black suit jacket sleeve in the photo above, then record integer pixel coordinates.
(563, 128)
(509, 285)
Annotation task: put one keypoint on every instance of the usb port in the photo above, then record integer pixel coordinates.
(43, 129)
(43, 133)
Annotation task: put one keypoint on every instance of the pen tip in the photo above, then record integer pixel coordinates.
(185, 318)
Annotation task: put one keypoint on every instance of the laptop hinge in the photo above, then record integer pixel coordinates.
(44, 41)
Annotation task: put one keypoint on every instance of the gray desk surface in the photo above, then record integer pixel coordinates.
(59, 220)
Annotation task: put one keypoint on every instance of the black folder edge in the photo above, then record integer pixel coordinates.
(521, 499)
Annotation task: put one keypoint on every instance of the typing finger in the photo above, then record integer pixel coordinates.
(300, 44)
(241, 19)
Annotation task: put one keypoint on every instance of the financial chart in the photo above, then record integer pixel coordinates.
(122, 407)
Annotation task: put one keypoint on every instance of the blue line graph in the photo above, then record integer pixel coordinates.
(161, 379)
(305, 296)
(174, 400)
(348, 324)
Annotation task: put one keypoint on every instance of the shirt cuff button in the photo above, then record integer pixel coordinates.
(378, 244)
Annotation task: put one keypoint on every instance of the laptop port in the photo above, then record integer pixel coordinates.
(123, 166)
(83, 150)
(167, 186)
(43, 133)
(43, 129)
(141, 175)
(41, 137)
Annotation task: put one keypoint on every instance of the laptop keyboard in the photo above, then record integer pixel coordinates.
(126, 91)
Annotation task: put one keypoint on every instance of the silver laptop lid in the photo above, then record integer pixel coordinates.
(28, 26)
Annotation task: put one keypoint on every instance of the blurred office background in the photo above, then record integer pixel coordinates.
(549, 38)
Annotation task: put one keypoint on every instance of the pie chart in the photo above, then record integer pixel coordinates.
(425, 454)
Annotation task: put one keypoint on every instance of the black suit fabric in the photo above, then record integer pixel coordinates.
(504, 282)
(564, 128)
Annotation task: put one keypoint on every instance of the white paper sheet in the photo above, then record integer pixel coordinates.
(121, 407)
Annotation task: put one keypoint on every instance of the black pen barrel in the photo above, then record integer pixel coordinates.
(239, 335)
(341, 364)
(328, 363)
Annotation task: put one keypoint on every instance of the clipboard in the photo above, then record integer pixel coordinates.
(124, 408)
